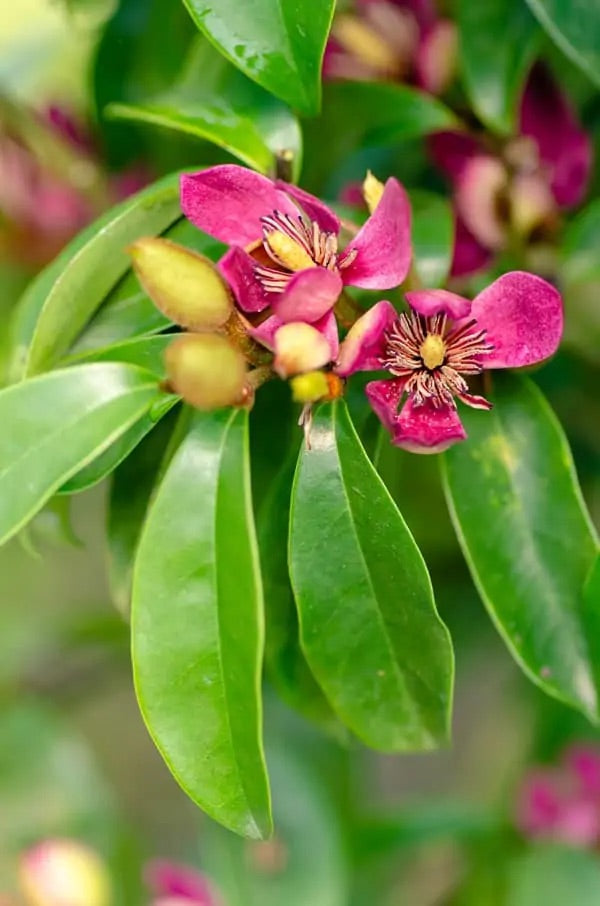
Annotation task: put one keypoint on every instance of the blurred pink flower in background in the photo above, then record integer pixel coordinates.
(563, 803)
(173, 884)
(63, 872)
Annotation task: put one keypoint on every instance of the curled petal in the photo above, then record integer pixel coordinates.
(237, 266)
(364, 344)
(228, 201)
(327, 326)
(384, 397)
(479, 187)
(523, 317)
(265, 333)
(427, 428)
(309, 295)
(299, 347)
(313, 207)
(451, 152)
(436, 57)
(430, 302)
(469, 255)
(382, 246)
(177, 882)
(563, 146)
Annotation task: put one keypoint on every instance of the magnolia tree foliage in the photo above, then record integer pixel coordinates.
(367, 253)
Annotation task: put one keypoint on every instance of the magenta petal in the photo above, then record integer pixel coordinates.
(423, 10)
(384, 397)
(383, 244)
(539, 805)
(427, 428)
(451, 151)
(170, 879)
(523, 317)
(237, 266)
(228, 201)
(265, 333)
(548, 118)
(327, 325)
(436, 57)
(313, 207)
(584, 761)
(469, 255)
(309, 295)
(478, 189)
(430, 302)
(364, 344)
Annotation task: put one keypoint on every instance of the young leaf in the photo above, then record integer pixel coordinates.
(432, 236)
(278, 44)
(368, 623)
(499, 39)
(197, 625)
(58, 423)
(517, 509)
(60, 301)
(575, 29)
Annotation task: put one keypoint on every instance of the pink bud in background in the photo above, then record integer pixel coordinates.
(64, 872)
(174, 884)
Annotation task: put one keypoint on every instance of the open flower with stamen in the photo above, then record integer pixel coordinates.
(285, 264)
(444, 340)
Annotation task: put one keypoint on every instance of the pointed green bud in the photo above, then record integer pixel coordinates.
(184, 285)
(207, 371)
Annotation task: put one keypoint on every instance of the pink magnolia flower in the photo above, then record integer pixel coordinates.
(173, 884)
(393, 39)
(285, 263)
(563, 803)
(543, 169)
(443, 340)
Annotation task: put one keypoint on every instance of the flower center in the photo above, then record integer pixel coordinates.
(433, 357)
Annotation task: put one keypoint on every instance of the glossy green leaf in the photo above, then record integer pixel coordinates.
(58, 423)
(555, 876)
(214, 101)
(575, 28)
(432, 237)
(526, 536)
(368, 623)
(197, 625)
(591, 610)
(286, 665)
(580, 242)
(498, 42)
(278, 44)
(146, 352)
(61, 300)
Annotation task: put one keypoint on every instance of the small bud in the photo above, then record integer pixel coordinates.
(372, 190)
(299, 347)
(64, 873)
(184, 285)
(309, 387)
(531, 202)
(206, 370)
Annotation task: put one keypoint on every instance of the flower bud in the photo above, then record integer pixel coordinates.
(206, 370)
(184, 285)
(64, 873)
(309, 387)
(372, 190)
(299, 347)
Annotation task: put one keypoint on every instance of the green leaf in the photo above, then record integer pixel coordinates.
(278, 44)
(498, 42)
(579, 252)
(214, 101)
(61, 300)
(432, 237)
(145, 352)
(197, 625)
(58, 423)
(286, 665)
(517, 509)
(575, 29)
(368, 623)
(591, 610)
(554, 875)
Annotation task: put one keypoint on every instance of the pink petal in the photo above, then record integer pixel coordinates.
(430, 302)
(584, 761)
(477, 191)
(437, 56)
(228, 201)
(327, 325)
(451, 151)
(539, 805)
(423, 10)
(352, 194)
(313, 207)
(547, 116)
(383, 243)
(265, 333)
(309, 295)
(523, 317)
(384, 397)
(170, 879)
(237, 266)
(469, 255)
(579, 823)
(300, 347)
(364, 344)
(427, 428)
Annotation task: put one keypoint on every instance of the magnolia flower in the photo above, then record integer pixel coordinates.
(543, 169)
(285, 262)
(444, 339)
(173, 884)
(564, 803)
(393, 39)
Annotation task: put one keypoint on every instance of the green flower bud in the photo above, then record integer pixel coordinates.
(309, 387)
(185, 286)
(207, 371)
